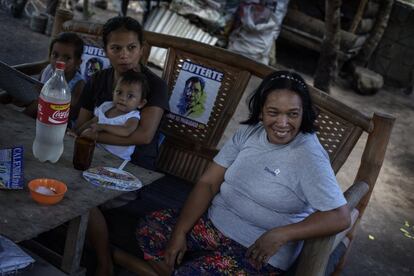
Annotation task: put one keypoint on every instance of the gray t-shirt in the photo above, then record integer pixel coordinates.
(267, 186)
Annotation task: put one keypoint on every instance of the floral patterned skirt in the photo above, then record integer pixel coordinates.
(209, 252)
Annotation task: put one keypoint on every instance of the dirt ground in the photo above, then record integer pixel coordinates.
(388, 251)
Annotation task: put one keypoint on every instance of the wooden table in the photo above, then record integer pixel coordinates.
(22, 218)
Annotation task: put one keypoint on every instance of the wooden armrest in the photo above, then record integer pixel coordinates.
(314, 256)
(355, 193)
(341, 235)
(315, 253)
(33, 68)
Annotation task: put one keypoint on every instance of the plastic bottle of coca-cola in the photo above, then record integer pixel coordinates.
(52, 117)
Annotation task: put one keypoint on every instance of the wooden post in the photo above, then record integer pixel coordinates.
(328, 61)
(363, 56)
(62, 15)
(371, 163)
(374, 154)
(358, 16)
(86, 14)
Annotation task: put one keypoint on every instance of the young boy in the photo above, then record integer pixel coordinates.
(68, 48)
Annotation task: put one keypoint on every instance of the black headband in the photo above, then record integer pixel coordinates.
(289, 77)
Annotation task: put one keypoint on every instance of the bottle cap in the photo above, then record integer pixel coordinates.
(60, 65)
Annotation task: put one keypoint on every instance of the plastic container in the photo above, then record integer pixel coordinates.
(57, 188)
(38, 22)
(52, 117)
(83, 153)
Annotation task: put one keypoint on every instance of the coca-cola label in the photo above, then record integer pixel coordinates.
(52, 113)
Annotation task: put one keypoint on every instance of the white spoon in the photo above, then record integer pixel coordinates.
(121, 167)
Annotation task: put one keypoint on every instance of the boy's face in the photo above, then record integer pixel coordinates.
(66, 53)
(128, 96)
(123, 50)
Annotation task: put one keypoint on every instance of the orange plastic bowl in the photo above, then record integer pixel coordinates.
(57, 187)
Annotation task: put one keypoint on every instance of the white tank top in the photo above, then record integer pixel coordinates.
(123, 152)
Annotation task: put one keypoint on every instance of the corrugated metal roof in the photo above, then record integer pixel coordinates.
(162, 20)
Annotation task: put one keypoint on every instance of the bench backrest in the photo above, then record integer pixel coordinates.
(190, 145)
(339, 125)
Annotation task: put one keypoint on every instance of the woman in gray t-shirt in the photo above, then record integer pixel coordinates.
(254, 205)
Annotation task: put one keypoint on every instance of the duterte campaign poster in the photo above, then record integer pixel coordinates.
(93, 60)
(194, 94)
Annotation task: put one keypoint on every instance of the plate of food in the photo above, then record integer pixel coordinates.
(112, 178)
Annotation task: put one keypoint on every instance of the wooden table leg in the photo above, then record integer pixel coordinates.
(74, 244)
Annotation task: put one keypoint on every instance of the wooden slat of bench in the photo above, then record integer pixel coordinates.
(337, 136)
(182, 163)
(346, 148)
(334, 106)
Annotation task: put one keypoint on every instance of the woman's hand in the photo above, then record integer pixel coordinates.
(72, 133)
(266, 246)
(96, 127)
(89, 133)
(176, 248)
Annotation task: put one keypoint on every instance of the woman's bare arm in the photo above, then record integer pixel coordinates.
(200, 197)
(120, 130)
(197, 203)
(84, 116)
(86, 125)
(317, 224)
(148, 125)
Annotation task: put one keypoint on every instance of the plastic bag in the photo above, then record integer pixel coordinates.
(256, 30)
(12, 258)
(210, 12)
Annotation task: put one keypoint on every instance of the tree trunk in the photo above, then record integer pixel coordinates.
(363, 56)
(328, 60)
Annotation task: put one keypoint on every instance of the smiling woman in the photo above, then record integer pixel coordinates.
(282, 116)
(258, 201)
(282, 102)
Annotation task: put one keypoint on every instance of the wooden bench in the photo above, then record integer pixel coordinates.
(189, 147)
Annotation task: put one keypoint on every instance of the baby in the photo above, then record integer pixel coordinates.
(120, 116)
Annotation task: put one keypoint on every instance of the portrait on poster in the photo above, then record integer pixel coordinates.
(93, 60)
(194, 93)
